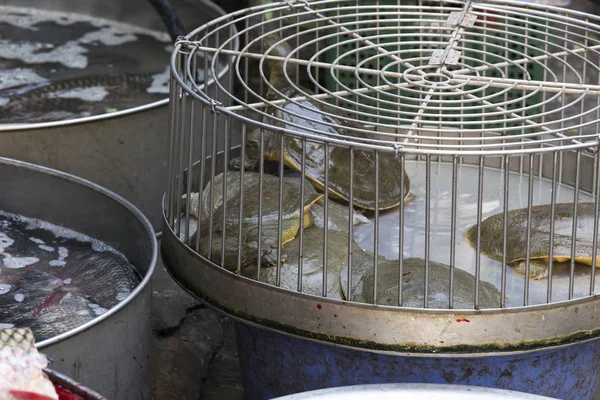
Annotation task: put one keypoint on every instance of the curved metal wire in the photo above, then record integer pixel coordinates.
(492, 106)
(413, 90)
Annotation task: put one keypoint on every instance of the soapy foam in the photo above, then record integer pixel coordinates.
(10, 78)
(5, 288)
(122, 295)
(36, 240)
(94, 93)
(18, 262)
(59, 232)
(5, 241)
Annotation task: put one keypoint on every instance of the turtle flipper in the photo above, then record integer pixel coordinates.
(248, 163)
(252, 156)
(538, 268)
(269, 258)
(268, 253)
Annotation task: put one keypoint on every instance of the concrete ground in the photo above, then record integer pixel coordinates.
(195, 354)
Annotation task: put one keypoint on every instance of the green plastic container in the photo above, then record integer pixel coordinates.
(399, 34)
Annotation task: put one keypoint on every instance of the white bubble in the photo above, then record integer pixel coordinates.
(100, 310)
(5, 288)
(122, 295)
(93, 305)
(63, 253)
(160, 82)
(6, 326)
(46, 248)
(18, 262)
(5, 241)
(93, 93)
(19, 297)
(83, 312)
(68, 281)
(36, 240)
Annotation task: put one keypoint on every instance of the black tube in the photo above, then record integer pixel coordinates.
(167, 13)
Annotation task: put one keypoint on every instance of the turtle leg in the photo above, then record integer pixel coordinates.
(269, 253)
(269, 256)
(538, 268)
(251, 157)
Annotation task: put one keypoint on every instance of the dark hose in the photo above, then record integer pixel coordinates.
(167, 13)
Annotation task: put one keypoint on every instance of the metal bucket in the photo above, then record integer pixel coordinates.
(72, 386)
(111, 353)
(124, 151)
(408, 391)
(471, 154)
(275, 364)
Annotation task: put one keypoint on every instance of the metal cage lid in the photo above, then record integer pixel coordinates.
(466, 77)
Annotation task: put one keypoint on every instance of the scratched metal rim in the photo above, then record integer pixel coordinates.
(545, 138)
(214, 8)
(149, 232)
(381, 328)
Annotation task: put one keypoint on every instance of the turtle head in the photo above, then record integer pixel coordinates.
(282, 49)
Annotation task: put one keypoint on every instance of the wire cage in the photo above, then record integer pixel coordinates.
(422, 160)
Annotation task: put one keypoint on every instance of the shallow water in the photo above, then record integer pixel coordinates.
(53, 279)
(39, 47)
(440, 227)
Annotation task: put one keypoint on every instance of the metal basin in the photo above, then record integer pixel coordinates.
(125, 151)
(111, 353)
(411, 391)
(71, 385)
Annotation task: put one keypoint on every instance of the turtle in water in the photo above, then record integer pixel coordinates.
(216, 185)
(325, 120)
(312, 256)
(413, 283)
(226, 222)
(492, 237)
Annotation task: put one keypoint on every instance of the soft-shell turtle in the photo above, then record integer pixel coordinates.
(413, 283)
(311, 114)
(233, 190)
(312, 266)
(290, 224)
(492, 237)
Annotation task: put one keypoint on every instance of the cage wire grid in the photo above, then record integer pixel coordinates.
(493, 84)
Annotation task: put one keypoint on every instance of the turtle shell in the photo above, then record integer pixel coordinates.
(312, 255)
(325, 121)
(413, 283)
(492, 234)
(222, 236)
(364, 179)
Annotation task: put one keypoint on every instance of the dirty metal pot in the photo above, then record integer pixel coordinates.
(411, 391)
(72, 386)
(111, 353)
(124, 151)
